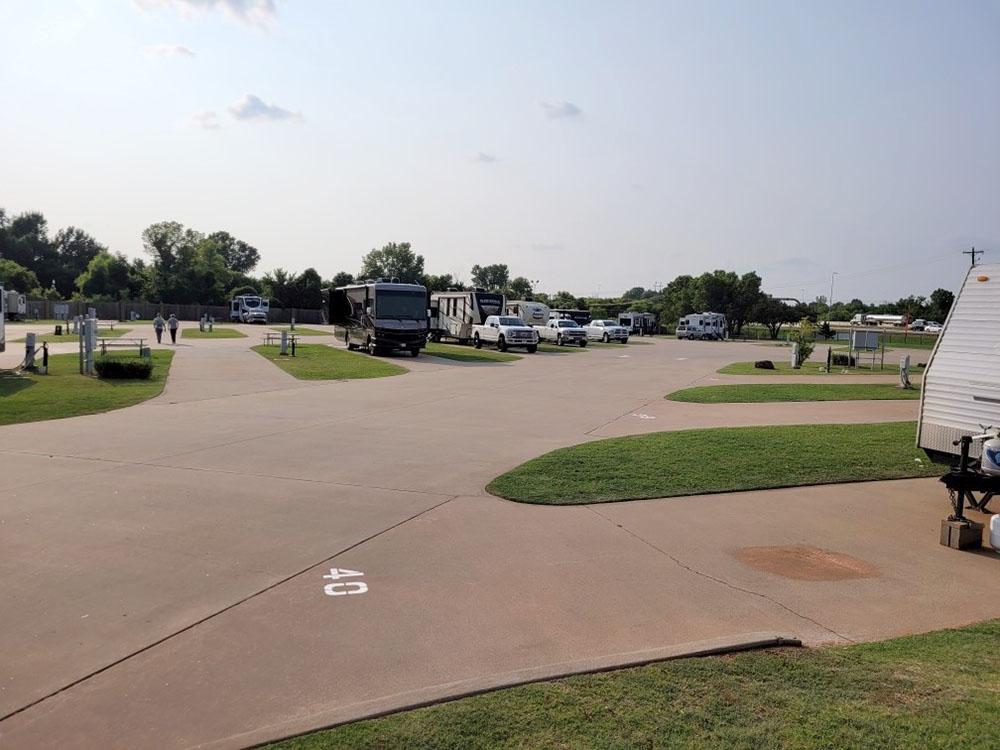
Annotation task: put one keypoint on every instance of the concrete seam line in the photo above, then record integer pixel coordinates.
(718, 580)
(213, 615)
(449, 692)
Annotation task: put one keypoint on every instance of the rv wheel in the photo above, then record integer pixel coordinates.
(414, 352)
(583, 343)
(476, 342)
(368, 345)
(559, 339)
(532, 348)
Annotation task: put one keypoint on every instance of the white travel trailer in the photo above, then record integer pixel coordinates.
(706, 325)
(3, 317)
(532, 313)
(961, 388)
(16, 305)
(249, 308)
(454, 313)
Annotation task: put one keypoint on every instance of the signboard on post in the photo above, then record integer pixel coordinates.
(864, 340)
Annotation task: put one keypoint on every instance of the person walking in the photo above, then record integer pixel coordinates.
(172, 324)
(158, 325)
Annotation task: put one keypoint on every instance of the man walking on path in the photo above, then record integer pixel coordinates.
(172, 325)
(158, 325)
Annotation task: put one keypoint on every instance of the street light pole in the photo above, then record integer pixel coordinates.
(829, 302)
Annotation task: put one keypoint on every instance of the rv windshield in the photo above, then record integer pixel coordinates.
(392, 303)
(251, 302)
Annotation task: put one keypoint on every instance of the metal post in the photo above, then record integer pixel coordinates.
(284, 342)
(963, 466)
(29, 351)
(293, 346)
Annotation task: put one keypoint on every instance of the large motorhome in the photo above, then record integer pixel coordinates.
(453, 313)
(249, 308)
(379, 316)
(532, 313)
(580, 317)
(642, 323)
(961, 385)
(706, 325)
(3, 316)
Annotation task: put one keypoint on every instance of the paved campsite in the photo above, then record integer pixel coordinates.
(249, 555)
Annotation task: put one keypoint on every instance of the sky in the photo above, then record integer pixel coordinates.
(591, 146)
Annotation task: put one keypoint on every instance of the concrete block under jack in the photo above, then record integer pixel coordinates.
(961, 534)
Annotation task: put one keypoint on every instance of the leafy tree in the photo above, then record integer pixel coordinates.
(565, 300)
(109, 277)
(342, 278)
(774, 314)
(941, 302)
(634, 293)
(519, 288)
(238, 291)
(277, 286)
(307, 290)
(805, 337)
(494, 277)
(14, 276)
(239, 256)
(441, 283)
(74, 249)
(393, 261)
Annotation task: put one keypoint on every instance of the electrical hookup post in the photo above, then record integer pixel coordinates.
(88, 342)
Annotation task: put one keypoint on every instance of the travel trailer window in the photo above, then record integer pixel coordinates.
(402, 305)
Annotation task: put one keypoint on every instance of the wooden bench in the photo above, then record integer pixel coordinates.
(122, 343)
(273, 338)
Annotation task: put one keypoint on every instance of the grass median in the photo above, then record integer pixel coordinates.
(300, 331)
(460, 353)
(809, 368)
(322, 362)
(217, 332)
(64, 392)
(931, 690)
(728, 459)
(760, 393)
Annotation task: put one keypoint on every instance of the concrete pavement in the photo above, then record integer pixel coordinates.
(165, 562)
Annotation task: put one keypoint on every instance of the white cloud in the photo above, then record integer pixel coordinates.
(257, 12)
(168, 50)
(207, 120)
(483, 158)
(252, 107)
(561, 109)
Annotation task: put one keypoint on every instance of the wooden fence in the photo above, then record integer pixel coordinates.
(46, 310)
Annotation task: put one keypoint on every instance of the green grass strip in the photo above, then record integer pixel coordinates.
(934, 690)
(695, 462)
(783, 367)
(300, 331)
(321, 362)
(217, 332)
(547, 348)
(467, 353)
(64, 392)
(770, 392)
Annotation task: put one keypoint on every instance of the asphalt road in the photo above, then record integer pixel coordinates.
(162, 567)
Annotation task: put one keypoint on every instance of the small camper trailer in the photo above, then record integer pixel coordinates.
(961, 388)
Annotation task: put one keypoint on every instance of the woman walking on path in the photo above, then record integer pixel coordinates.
(172, 325)
(158, 325)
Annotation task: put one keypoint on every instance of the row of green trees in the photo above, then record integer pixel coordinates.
(182, 265)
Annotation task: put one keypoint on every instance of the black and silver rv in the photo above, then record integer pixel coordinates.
(379, 316)
(453, 313)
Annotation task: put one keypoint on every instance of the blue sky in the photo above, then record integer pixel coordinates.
(591, 146)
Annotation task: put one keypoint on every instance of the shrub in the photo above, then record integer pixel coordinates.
(805, 337)
(764, 364)
(843, 360)
(124, 369)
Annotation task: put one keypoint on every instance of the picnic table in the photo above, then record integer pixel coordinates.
(274, 337)
(137, 341)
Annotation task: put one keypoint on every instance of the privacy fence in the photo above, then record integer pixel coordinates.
(49, 310)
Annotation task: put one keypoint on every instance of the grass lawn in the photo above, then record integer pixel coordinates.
(934, 690)
(783, 367)
(695, 462)
(66, 393)
(321, 362)
(467, 353)
(300, 331)
(767, 392)
(51, 338)
(217, 332)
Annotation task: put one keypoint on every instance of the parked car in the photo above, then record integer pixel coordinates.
(504, 331)
(563, 331)
(932, 327)
(606, 330)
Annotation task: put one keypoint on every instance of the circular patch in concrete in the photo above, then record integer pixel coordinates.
(805, 563)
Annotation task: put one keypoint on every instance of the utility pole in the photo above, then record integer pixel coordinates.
(829, 302)
(973, 252)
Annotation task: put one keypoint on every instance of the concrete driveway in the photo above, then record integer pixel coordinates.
(162, 567)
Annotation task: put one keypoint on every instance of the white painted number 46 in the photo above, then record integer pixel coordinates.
(344, 588)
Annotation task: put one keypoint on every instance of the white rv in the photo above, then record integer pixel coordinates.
(249, 308)
(707, 326)
(532, 313)
(3, 316)
(961, 388)
(454, 313)
(16, 305)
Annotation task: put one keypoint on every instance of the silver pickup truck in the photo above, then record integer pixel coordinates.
(563, 331)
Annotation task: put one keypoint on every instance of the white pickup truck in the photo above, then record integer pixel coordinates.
(606, 330)
(505, 331)
(563, 331)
